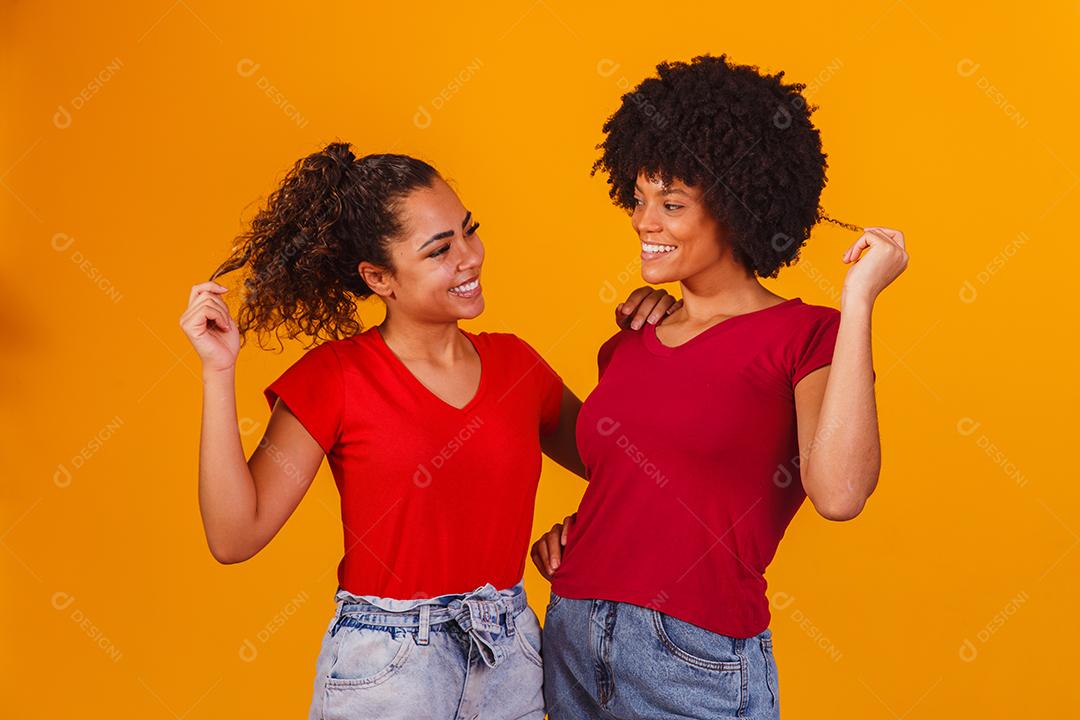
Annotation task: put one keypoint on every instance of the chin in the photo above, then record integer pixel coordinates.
(655, 276)
(476, 307)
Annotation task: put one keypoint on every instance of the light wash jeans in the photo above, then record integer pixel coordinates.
(453, 657)
(618, 661)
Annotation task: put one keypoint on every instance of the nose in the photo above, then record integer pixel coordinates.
(646, 220)
(472, 254)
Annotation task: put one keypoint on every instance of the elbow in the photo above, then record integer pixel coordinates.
(843, 498)
(839, 513)
(840, 509)
(228, 555)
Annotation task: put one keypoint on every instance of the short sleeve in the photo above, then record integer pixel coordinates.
(313, 390)
(551, 390)
(817, 346)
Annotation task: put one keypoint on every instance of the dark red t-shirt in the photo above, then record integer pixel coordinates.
(692, 458)
(434, 499)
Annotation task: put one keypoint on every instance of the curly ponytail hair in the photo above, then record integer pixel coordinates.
(330, 213)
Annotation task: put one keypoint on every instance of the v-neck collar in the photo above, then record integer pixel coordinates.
(653, 344)
(403, 369)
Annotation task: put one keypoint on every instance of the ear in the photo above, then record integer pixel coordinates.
(377, 278)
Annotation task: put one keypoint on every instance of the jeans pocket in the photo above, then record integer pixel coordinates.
(766, 644)
(527, 628)
(695, 645)
(366, 656)
(553, 600)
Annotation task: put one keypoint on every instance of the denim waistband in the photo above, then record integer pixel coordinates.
(483, 614)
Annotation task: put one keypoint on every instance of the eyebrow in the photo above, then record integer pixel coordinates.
(446, 233)
(666, 191)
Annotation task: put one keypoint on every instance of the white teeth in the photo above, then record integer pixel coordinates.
(656, 248)
(466, 287)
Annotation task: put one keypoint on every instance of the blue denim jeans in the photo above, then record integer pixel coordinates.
(452, 657)
(614, 660)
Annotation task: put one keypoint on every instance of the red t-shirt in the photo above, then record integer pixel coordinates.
(692, 458)
(434, 499)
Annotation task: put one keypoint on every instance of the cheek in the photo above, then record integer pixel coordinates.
(419, 279)
(699, 238)
(438, 277)
(680, 231)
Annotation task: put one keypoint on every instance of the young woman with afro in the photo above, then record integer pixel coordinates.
(708, 430)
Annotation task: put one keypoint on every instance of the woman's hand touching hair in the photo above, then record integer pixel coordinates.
(208, 325)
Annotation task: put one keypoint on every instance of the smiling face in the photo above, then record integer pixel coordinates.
(679, 236)
(436, 260)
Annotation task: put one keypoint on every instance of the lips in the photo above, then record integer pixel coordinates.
(652, 251)
(468, 289)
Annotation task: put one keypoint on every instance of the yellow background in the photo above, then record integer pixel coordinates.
(137, 138)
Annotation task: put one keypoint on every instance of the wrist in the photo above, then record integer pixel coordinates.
(219, 376)
(852, 300)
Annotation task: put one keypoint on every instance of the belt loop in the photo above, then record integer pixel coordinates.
(508, 604)
(425, 625)
(339, 603)
(337, 622)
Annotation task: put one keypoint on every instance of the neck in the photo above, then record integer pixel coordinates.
(437, 343)
(723, 288)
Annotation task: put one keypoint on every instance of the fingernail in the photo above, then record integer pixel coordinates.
(554, 565)
(636, 324)
(624, 309)
(653, 319)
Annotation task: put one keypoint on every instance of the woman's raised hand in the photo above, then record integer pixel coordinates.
(885, 257)
(646, 304)
(208, 326)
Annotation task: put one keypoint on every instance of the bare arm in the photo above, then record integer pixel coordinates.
(839, 443)
(644, 304)
(243, 502)
(561, 444)
(839, 440)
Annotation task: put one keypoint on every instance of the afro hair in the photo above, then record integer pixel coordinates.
(744, 137)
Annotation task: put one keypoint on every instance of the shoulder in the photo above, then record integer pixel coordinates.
(503, 343)
(343, 356)
(324, 353)
(809, 317)
(515, 358)
(620, 336)
(609, 346)
(813, 311)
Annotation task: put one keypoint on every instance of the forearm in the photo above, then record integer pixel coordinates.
(845, 456)
(561, 444)
(227, 495)
(565, 453)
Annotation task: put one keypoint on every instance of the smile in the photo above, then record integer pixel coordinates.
(468, 289)
(650, 251)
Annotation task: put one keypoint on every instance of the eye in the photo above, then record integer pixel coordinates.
(472, 229)
(672, 206)
(637, 201)
(440, 251)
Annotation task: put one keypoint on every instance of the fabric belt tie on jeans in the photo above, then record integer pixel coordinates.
(478, 617)
(476, 613)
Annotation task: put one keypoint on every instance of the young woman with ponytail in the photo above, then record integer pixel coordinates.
(433, 434)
